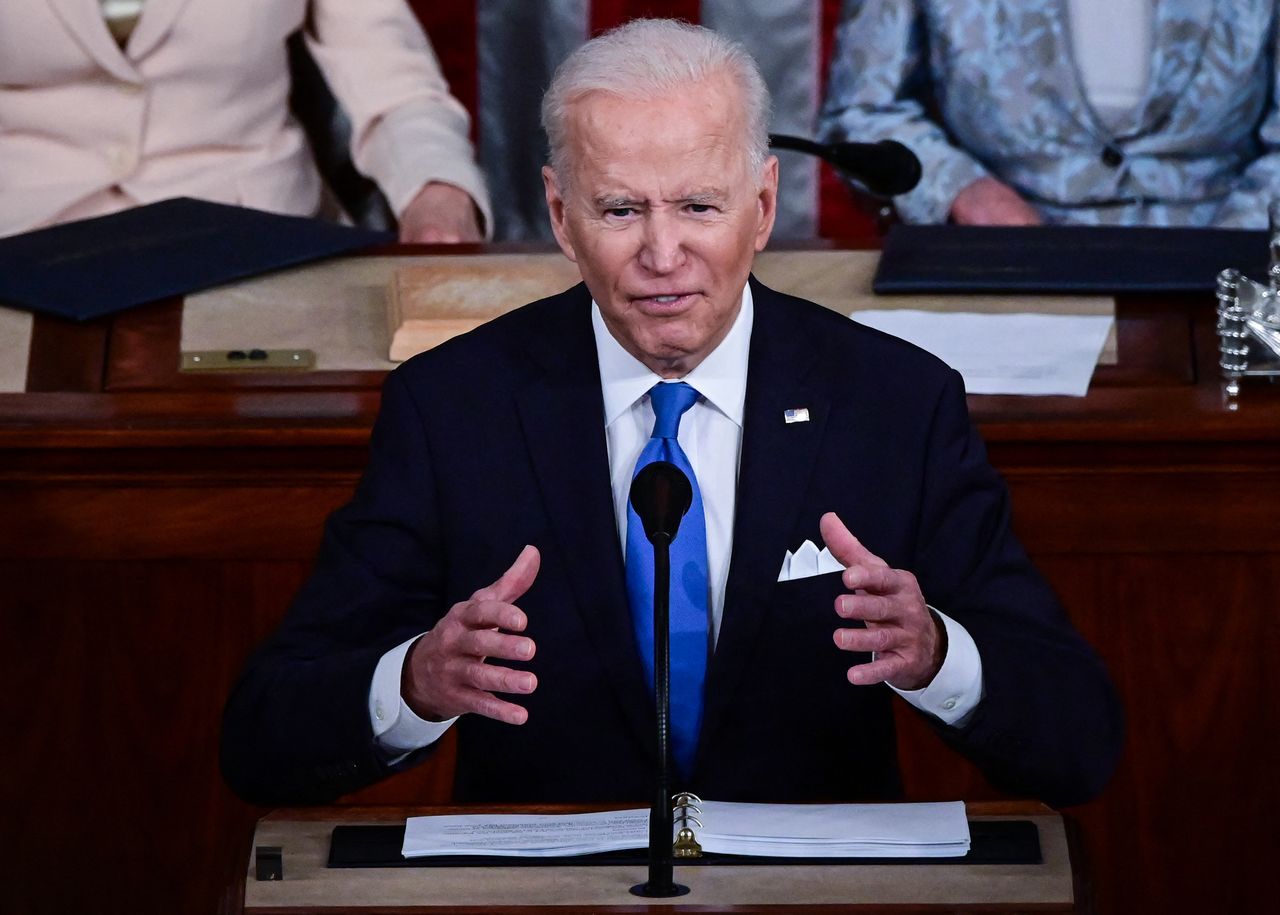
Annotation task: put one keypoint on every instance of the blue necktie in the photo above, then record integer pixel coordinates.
(688, 580)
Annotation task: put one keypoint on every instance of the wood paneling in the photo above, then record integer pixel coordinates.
(67, 355)
(114, 675)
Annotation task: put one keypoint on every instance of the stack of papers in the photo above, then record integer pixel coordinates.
(532, 836)
(763, 830)
(835, 830)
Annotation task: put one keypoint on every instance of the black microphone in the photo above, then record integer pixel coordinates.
(660, 495)
(886, 168)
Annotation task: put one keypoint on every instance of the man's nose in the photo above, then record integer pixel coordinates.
(662, 248)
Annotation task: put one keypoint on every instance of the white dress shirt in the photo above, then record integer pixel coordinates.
(711, 436)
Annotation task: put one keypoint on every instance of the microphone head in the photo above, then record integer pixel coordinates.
(660, 495)
(890, 170)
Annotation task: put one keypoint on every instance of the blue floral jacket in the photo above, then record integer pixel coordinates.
(981, 87)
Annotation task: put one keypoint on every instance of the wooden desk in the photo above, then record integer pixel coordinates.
(309, 887)
(155, 527)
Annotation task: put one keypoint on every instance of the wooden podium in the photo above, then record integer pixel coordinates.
(309, 888)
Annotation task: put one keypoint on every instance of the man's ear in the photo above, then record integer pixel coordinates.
(555, 207)
(767, 202)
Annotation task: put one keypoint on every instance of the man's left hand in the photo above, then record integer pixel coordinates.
(899, 627)
(440, 214)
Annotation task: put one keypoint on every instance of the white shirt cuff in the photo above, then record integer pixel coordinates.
(957, 688)
(396, 728)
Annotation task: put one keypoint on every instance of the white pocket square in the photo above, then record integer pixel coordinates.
(808, 561)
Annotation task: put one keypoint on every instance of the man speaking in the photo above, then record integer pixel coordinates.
(489, 576)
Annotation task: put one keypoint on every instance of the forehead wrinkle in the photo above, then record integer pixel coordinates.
(628, 152)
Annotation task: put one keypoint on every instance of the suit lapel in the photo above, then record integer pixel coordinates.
(1056, 75)
(562, 419)
(158, 17)
(1181, 29)
(777, 462)
(84, 20)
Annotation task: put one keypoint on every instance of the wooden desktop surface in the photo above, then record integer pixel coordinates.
(156, 525)
(310, 888)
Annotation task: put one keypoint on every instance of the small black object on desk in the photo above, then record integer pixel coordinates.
(268, 861)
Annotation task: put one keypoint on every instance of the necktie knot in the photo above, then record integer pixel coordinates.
(670, 401)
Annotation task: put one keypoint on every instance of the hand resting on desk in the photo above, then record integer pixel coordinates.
(440, 214)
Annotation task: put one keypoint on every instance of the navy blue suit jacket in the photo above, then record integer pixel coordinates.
(496, 439)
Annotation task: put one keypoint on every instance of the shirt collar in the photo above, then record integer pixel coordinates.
(721, 378)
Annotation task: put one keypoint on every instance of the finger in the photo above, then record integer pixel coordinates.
(490, 643)
(845, 547)
(878, 671)
(868, 640)
(441, 236)
(875, 579)
(485, 614)
(869, 608)
(516, 580)
(488, 705)
(494, 679)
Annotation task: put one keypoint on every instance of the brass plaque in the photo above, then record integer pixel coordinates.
(248, 360)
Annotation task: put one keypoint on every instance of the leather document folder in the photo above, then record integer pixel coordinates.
(1063, 259)
(93, 267)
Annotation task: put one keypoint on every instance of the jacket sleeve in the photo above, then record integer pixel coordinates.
(1259, 184)
(877, 89)
(296, 728)
(1050, 724)
(407, 129)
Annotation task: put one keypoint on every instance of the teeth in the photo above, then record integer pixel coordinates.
(665, 298)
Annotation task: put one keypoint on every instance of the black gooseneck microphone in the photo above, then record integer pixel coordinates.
(886, 169)
(660, 495)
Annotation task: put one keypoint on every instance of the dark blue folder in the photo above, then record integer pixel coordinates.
(1064, 259)
(95, 267)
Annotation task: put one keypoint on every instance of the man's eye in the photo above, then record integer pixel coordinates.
(700, 208)
(619, 212)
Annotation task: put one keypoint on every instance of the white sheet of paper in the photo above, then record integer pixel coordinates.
(532, 835)
(1004, 353)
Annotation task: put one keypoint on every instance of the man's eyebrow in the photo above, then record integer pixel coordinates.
(614, 201)
(696, 196)
(703, 195)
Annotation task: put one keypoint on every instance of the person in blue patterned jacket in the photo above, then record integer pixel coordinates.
(1129, 112)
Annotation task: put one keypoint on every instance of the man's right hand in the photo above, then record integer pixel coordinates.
(445, 673)
(988, 202)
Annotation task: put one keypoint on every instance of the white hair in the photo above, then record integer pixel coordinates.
(646, 58)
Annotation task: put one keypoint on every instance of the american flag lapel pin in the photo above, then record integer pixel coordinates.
(796, 416)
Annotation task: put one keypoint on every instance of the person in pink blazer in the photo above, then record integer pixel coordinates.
(195, 103)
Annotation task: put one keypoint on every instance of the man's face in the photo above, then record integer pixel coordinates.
(663, 217)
